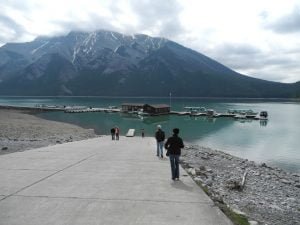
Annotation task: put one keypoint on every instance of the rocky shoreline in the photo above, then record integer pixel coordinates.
(269, 195)
(20, 130)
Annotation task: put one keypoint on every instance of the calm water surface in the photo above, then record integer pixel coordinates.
(276, 142)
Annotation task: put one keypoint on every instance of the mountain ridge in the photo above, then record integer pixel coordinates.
(108, 63)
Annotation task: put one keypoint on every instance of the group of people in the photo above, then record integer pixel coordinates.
(115, 132)
(173, 145)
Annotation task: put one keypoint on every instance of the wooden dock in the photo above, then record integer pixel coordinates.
(106, 110)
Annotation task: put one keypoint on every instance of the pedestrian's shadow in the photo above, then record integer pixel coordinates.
(180, 185)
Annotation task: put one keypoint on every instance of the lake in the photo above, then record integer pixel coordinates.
(275, 142)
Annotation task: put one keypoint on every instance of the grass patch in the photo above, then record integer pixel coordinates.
(236, 218)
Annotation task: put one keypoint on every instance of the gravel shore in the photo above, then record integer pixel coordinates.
(269, 195)
(20, 130)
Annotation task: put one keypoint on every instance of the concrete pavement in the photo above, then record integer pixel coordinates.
(99, 181)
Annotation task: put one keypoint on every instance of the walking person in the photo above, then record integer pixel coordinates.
(117, 132)
(112, 132)
(160, 138)
(143, 133)
(174, 145)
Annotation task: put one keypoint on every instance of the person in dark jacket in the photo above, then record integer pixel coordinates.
(160, 138)
(112, 132)
(174, 145)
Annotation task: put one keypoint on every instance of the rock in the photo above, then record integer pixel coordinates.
(285, 181)
(218, 198)
(252, 222)
(263, 165)
(200, 173)
(209, 182)
(267, 176)
(205, 157)
(4, 148)
(198, 179)
(202, 168)
(297, 185)
(233, 184)
(284, 203)
(58, 142)
(238, 211)
(244, 161)
(192, 171)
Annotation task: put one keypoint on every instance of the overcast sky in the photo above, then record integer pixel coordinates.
(259, 38)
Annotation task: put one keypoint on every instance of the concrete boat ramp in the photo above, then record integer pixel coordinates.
(99, 181)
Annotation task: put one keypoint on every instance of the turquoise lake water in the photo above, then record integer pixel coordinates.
(275, 142)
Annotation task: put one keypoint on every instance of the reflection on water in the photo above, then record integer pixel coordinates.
(146, 119)
(263, 123)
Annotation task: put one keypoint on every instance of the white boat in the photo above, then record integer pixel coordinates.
(247, 112)
(142, 113)
(183, 113)
(210, 113)
(241, 116)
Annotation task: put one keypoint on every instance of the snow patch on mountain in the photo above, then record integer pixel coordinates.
(40, 47)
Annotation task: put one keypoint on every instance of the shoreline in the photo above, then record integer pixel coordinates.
(21, 130)
(270, 195)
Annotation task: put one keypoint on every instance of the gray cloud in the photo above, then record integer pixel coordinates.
(250, 60)
(287, 24)
(236, 56)
(16, 30)
(237, 49)
(160, 18)
(94, 22)
(158, 15)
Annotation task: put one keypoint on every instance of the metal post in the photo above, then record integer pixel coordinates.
(170, 100)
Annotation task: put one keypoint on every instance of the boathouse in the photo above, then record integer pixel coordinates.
(132, 107)
(151, 109)
(159, 109)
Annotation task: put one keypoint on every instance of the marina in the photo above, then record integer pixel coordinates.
(145, 110)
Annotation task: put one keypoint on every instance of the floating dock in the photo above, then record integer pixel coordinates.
(83, 109)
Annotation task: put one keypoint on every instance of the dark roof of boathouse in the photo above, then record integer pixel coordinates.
(142, 104)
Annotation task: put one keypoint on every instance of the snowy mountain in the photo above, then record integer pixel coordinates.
(112, 64)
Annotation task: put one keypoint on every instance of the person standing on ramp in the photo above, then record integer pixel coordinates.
(174, 145)
(160, 138)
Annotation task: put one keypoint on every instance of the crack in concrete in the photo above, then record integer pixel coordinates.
(118, 199)
(44, 178)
